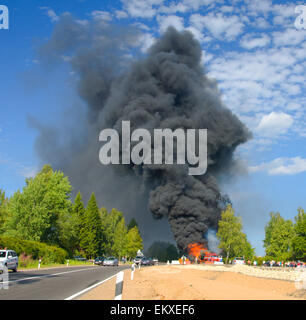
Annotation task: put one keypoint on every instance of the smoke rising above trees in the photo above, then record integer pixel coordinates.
(167, 88)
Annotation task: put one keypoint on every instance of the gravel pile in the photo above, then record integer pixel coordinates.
(263, 272)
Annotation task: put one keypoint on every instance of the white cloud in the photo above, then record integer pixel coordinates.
(289, 37)
(268, 75)
(282, 166)
(166, 21)
(27, 172)
(82, 22)
(150, 8)
(258, 82)
(219, 25)
(274, 124)
(101, 15)
(185, 6)
(181, 7)
(250, 43)
(196, 33)
(19, 168)
(257, 7)
(142, 26)
(284, 14)
(226, 9)
(146, 40)
(261, 23)
(140, 8)
(50, 13)
(206, 57)
(120, 14)
(294, 106)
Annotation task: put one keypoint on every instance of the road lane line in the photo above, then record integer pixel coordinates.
(89, 288)
(48, 275)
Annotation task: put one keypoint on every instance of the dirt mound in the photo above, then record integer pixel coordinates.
(178, 282)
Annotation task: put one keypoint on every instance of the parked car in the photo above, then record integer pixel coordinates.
(137, 260)
(111, 261)
(99, 261)
(79, 258)
(266, 263)
(146, 262)
(155, 261)
(238, 260)
(9, 259)
(271, 264)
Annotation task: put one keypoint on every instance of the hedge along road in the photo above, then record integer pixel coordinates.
(55, 284)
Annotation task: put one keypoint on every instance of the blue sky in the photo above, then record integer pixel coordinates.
(252, 48)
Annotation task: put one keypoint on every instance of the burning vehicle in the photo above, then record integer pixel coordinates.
(198, 253)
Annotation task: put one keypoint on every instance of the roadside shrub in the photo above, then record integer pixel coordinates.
(25, 261)
(34, 249)
(260, 260)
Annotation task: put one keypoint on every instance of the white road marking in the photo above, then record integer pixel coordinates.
(48, 275)
(89, 288)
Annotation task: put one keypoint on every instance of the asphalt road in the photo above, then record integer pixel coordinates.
(54, 284)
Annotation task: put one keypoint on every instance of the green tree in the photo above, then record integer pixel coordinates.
(232, 240)
(34, 213)
(298, 241)
(110, 222)
(120, 239)
(133, 242)
(248, 252)
(163, 251)
(3, 210)
(133, 223)
(71, 226)
(91, 235)
(278, 236)
(275, 219)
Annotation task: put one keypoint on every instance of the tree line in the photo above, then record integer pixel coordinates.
(43, 211)
(285, 240)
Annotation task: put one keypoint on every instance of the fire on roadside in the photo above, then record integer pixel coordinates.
(198, 253)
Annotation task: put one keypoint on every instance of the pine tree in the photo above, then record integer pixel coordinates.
(133, 223)
(78, 211)
(110, 222)
(91, 235)
(3, 210)
(120, 239)
(298, 242)
(163, 251)
(133, 242)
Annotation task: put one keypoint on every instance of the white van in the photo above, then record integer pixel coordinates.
(9, 259)
(238, 260)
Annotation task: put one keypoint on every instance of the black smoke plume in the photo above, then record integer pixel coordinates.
(167, 88)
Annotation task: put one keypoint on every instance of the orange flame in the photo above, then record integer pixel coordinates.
(197, 250)
(200, 254)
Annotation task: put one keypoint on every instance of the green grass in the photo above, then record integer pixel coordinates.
(34, 264)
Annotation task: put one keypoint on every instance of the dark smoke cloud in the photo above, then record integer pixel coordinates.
(166, 89)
